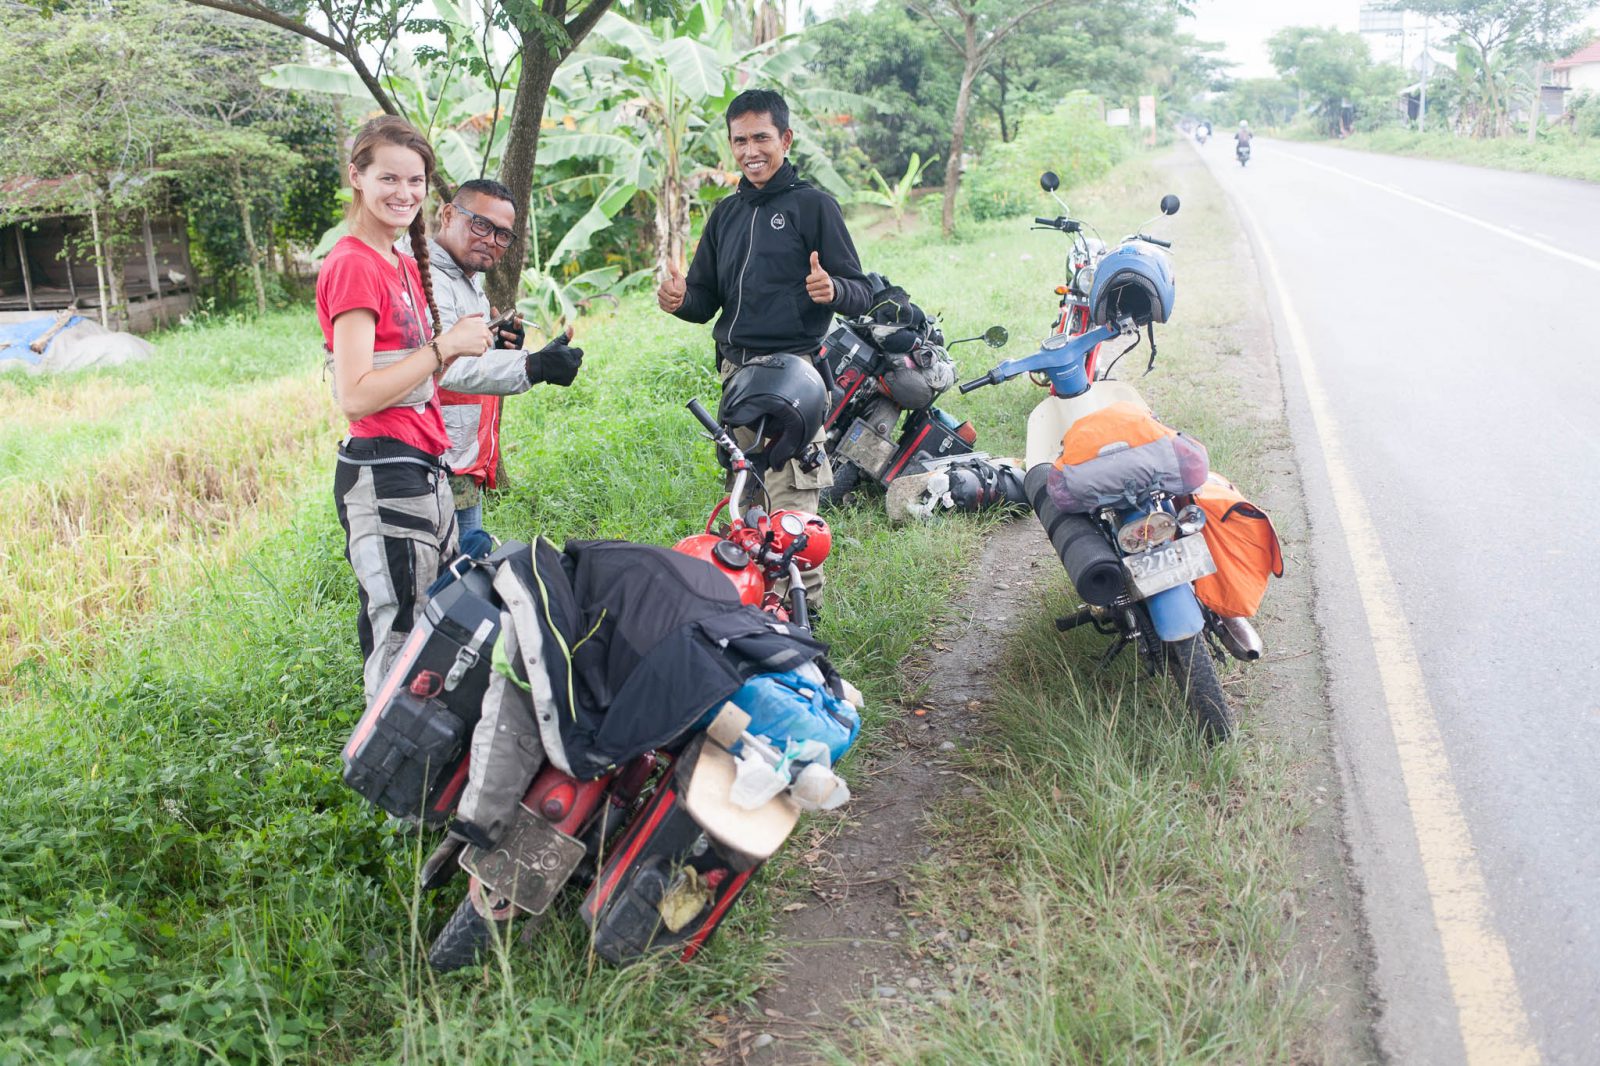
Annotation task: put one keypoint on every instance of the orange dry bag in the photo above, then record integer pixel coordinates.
(1244, 546)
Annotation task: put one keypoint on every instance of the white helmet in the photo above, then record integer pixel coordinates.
(1243, 124)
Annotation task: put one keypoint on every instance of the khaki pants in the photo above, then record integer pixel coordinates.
(789, 487)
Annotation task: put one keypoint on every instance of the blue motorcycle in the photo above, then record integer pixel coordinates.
(1112, 486)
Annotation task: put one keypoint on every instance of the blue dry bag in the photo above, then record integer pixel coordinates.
(785, 707)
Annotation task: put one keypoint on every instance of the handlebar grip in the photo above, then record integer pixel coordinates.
(977, 383)
(704, 416)
(1156, 241)
(1045, 222)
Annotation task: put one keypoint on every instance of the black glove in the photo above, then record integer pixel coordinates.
(556, 363)
(518, 332)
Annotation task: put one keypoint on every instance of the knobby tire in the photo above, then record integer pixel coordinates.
(465, 939)
(1190, 666)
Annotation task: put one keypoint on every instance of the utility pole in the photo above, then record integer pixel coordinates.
(1427, 61)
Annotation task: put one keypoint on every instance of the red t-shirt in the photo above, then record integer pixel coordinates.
(355, 276)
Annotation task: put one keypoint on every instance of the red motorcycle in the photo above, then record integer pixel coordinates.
(664, 850)
(1072, 317)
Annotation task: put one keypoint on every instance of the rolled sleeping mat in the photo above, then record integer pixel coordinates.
(1091, 563)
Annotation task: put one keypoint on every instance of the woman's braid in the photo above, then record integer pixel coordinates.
(419, 251)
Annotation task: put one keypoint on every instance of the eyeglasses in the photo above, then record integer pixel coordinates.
(483, 227)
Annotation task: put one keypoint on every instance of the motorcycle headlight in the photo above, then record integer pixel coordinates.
(1191, 520)
(1083, 280)
(1147, 531)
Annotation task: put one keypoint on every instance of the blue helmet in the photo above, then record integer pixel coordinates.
(1135, 279)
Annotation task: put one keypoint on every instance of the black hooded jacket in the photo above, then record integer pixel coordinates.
(753, 260)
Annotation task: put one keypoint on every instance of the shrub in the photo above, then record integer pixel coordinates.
(1073, 140)
(1586, 115)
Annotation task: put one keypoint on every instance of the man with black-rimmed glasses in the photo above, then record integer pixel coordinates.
(474, 232)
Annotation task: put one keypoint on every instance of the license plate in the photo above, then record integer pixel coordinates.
(1168, 566)
(531, 863)
(865, 447)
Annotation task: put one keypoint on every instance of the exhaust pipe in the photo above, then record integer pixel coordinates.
(1091, 563)
(1240, 638)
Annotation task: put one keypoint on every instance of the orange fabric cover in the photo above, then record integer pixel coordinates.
(1120, 423)
(1244, 546)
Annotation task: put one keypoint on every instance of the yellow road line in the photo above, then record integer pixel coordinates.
(1493, 1024)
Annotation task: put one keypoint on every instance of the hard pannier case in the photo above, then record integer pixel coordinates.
(1244, 546)
(408, 754)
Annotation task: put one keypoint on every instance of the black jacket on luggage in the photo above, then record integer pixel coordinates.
(637, 643)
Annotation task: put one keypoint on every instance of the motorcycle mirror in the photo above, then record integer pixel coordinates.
(1049, 182)
(994, 337)
(1169, 204)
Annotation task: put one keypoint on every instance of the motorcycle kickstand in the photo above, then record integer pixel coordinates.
(1115, 650)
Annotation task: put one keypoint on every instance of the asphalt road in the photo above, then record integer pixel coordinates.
(1437, 325)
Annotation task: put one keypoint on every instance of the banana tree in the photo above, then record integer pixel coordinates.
(654, 118)
(896, 197)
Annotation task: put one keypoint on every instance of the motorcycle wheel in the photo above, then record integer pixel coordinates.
(465, 939)
(842, 493)
(1189, 665)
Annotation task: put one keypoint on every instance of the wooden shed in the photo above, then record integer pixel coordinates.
(45, 265)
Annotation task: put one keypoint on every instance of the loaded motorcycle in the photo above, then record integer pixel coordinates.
(1115, 490)
(893, 362)
(1085, 252)
(662, 841)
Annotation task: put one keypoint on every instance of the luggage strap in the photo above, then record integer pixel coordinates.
(468, 656)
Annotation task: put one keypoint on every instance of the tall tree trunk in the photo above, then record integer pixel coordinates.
(766, 22)
(118, 284)
(958, 141)
(1537, 106)
(516, 165)
(99, 263)
(251, 248)
(672, 207)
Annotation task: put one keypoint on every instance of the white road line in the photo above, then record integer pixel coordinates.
(1509, 234)
(1493, 1024)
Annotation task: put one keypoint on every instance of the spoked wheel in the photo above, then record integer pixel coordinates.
(1189, 665)
(842, 493)
(467, 938)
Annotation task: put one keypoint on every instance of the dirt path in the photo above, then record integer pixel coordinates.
(847, 945)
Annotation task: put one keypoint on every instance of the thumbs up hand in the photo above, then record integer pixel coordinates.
(819, 285)
(670, 295)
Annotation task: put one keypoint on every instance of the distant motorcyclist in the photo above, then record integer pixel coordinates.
(1241, 139)
(1202, 132)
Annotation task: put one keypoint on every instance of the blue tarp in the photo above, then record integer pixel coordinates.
(16, 336)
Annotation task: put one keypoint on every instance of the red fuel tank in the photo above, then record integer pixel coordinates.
(730, 559)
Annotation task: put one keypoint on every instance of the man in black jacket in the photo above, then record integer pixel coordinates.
(776, 260)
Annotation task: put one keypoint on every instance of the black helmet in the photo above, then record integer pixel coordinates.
(780, 396)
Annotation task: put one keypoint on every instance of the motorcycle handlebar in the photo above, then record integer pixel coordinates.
(704, 416)
(977, 383)
(1155, 241)
(1065, 225)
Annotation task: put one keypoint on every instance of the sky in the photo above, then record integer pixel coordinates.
(1243, 26)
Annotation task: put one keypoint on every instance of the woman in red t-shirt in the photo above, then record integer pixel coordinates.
(390, 487)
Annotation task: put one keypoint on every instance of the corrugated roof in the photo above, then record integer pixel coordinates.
(1582, 57)
(24, 197)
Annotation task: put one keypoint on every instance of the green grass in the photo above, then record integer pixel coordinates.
(53, 426)
(1557, 152)
(183, 877)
